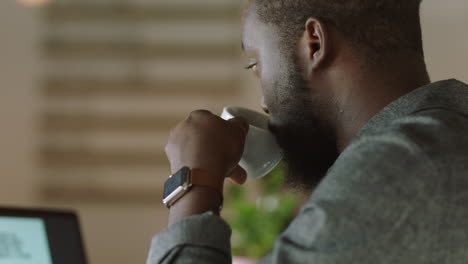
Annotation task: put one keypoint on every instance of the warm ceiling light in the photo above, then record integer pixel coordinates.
(33, 2)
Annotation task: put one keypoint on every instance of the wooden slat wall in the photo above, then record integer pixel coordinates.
(119, 76)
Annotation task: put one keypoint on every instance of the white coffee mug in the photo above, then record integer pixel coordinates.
(261, 152)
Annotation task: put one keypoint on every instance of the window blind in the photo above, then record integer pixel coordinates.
(118, 76)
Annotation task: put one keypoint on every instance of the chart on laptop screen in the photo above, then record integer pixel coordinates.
(23, 241)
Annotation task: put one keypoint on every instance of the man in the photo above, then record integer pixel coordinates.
(351, 104)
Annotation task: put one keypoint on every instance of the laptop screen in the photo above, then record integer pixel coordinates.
(39, 237)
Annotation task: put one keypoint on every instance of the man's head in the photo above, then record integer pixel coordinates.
(375, 28)
(308, 52)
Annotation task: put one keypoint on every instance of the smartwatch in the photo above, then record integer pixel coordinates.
(180, 183)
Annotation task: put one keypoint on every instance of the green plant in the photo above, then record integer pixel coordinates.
(256, 223)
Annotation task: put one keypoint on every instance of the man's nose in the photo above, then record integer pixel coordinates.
(264, 106)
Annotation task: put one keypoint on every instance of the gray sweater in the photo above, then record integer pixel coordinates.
(397, 194)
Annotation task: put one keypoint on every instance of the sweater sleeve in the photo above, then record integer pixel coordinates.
(201, 238)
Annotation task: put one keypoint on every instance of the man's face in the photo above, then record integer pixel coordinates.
(296, 108)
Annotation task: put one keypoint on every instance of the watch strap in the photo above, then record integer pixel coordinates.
(203, 178)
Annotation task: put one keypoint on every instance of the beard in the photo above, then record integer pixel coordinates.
(302, 131)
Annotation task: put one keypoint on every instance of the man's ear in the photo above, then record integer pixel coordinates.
(314, 44)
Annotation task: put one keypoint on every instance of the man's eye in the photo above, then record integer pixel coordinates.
(252, 66)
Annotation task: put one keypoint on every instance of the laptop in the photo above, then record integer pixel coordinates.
(33, 236)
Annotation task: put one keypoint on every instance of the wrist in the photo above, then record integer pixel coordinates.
(200, 199)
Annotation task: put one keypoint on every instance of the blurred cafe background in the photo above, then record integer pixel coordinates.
(91, 88)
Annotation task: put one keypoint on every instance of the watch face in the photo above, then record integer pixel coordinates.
(179, 180)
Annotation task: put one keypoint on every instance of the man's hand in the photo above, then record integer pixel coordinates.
(205, 141)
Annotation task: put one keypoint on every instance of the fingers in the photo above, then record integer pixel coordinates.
(197, 114)
(240, 122)
(238, 175)
(200, 112)
(237, 121)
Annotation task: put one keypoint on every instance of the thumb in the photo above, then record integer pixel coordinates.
(240, 122)
(238, 175)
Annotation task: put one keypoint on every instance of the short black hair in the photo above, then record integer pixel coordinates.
(378, 28)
